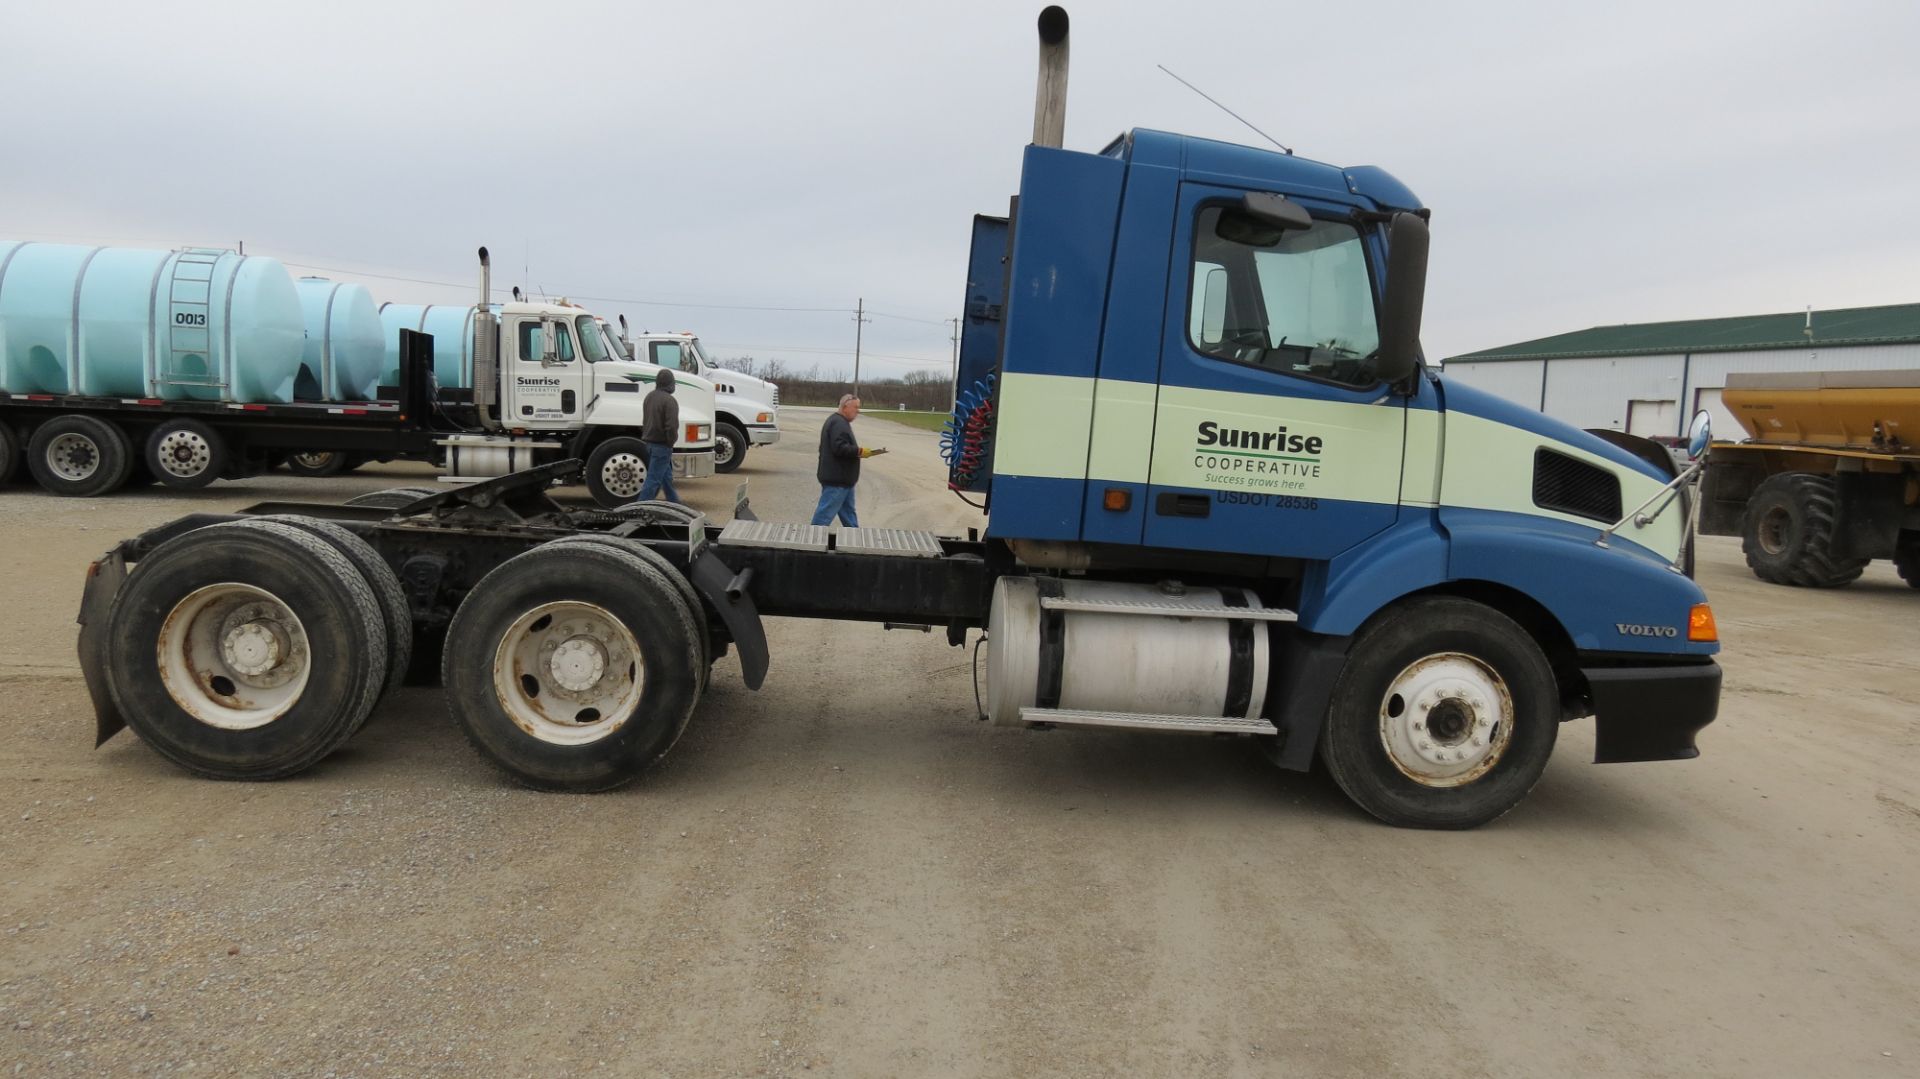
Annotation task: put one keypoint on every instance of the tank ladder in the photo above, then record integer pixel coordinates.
(189, 357)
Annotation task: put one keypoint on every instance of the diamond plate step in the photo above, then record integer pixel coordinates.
(892, 542)
(1172, 608)
(1070, 717)
(780, 535)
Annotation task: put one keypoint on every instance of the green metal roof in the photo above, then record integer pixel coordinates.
(1897, 324)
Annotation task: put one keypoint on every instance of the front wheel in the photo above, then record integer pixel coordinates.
(321, 463)
(729, 447)
(616, 471)
(1444, 716)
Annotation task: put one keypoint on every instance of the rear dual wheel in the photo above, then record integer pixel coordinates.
(185, 453)
(248, 650)
(80, 456)
(574, 666)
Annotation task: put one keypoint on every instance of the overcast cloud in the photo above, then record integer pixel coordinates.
(1586, 164)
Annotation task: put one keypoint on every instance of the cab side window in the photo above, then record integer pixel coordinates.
(1297, 301)
(669, 354)
(530, 341)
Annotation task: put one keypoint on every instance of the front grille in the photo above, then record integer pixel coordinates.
(776, 397)
(1567, 485)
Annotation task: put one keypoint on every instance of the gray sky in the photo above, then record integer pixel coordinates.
(1586, 164)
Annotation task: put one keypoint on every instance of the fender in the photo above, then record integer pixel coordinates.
(1337, 595)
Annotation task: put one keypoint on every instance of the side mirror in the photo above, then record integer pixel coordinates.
(1405, 297)
(1699, 435)
(549, 344)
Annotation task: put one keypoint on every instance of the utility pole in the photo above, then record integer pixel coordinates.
(860, 320)
(954, 379)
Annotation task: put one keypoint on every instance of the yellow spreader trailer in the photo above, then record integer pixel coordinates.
(1828, 478)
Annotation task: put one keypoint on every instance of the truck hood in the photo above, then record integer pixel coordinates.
(1474, 402)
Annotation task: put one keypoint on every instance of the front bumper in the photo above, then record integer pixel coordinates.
(1651, 713)
(693, 464)
(762, 436)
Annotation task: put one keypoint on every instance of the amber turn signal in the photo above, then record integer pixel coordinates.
(1117, 499)
(1700, 625)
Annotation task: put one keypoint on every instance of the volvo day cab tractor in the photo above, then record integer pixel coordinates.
(1224, 495)
(746, 408)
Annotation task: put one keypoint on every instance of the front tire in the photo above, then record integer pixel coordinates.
(80, 456)
(573, 667)
(1787, 534)
(616, 471)
(186, 454)
(1443, 717)
(248, 650)
(320, 463)
(729, 447)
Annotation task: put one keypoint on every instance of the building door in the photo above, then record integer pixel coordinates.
(1653, 419)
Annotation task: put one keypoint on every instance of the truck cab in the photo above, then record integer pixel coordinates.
(566, 391)
(747, 408)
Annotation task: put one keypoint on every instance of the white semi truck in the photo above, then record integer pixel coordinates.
(746, 407)
(513, 387)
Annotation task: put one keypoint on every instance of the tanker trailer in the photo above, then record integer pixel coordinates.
(1828, 479)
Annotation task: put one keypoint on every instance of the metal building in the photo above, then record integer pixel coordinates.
(1649, 378)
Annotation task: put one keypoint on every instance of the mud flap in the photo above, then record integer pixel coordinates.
(712, 576)
(104, 579)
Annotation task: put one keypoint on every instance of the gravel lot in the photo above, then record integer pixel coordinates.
(843, 874)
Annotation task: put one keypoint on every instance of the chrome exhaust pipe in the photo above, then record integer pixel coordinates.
(1050, 97)
(486, 351)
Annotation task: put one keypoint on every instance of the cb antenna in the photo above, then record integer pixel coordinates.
(1283, 149)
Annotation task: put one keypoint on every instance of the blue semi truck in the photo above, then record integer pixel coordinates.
(1224, 496)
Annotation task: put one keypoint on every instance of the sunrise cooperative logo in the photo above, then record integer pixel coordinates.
(1260, 451)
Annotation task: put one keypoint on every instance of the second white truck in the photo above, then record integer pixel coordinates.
(746, 407)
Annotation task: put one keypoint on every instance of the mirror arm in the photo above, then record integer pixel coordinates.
(1665, 496)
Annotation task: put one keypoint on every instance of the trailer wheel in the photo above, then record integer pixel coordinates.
(1444, 716)
(1906, 559)
(395, 612)
(616, 470)
(1787, 534)
(186, 453)
(729, 447)
(689, 595)
(248, 650)
(9, 452)
(573, 666)
(320, 463)
(393, 498)
(80, 456)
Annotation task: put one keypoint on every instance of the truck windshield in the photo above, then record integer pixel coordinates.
(1299, 301)
(592, 345)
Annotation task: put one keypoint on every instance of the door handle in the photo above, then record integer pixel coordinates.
(1173, 504)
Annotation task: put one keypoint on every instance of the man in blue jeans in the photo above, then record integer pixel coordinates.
(840, 455)
(660, 429)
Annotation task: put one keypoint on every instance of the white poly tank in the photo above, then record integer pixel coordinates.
(196, 323)
(344, 353)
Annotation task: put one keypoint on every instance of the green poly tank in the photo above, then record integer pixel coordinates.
(193, 324)
(344, 352)
(452, 328)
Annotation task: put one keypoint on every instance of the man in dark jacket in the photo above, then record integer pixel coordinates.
(660, 429)
(840, 455)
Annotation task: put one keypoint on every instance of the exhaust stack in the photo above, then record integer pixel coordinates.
(1050, 98)
(486, 351)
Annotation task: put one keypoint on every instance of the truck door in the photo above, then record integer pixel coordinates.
(1270, 434)
(547, 388)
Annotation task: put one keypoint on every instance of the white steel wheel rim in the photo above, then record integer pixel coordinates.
(234, 656)
(1446, 720)
(723, 448)
(568, 673)
(73, 456)
(623, 474)
(185, 454)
